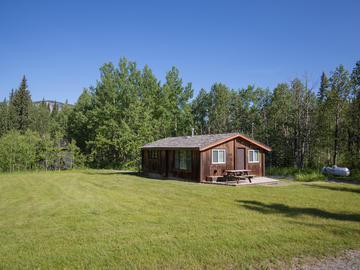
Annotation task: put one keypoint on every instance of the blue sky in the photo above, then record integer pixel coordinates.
(60, 45)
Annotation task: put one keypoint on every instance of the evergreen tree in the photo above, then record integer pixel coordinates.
(324, 87)
(323, 131)
(353, 121)
(12, 115)
(4, 117)
(281, 125)
(21, 102)
(337, 101)
(55, 110)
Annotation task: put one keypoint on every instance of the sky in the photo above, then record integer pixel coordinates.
(60, 45)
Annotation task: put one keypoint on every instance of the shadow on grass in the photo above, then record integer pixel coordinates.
(142, 175)
(104, 172)
(347, 189)
(288, 211)
(163, 178)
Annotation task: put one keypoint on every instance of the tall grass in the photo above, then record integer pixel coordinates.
(315, 176)
(305, 175)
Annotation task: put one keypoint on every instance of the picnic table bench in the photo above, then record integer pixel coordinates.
(238, 175)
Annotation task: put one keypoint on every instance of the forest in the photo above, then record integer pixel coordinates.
(129, 107)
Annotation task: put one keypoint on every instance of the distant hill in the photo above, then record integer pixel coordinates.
(51, 104)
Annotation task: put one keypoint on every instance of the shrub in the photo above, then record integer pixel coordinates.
(315, 176)
(306, 175)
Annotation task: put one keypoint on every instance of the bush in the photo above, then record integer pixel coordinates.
(30, 151)
(315, 176)
(290, 171)
(305, 175)
(19, 152)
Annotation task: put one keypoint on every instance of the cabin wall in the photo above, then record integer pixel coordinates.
(258, 168)
(150, 165)
(209, 169)
(164, 165)
(194, 174)
(202, 162)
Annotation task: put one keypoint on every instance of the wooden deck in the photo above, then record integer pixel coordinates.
(254, 181)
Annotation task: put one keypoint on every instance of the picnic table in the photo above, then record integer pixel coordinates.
(238, 175)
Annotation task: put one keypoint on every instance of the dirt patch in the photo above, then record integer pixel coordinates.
(281, 183)
(289, 183)
(347, 260)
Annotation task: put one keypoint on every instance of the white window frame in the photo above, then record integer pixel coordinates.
(212, 156)
(258, 155)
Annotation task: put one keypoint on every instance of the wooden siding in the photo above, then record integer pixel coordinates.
(164, 164)
(166, 159)
(209, 169)
(258, 167)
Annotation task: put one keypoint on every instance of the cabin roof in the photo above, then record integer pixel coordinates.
(199, 142)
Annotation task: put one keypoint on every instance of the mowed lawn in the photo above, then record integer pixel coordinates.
(94, 220)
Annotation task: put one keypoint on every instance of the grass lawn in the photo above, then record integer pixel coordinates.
(92, 220)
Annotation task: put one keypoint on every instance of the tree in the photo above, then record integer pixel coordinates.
(21, 102)
(55, 110)
(177, 110)
(62, 121)
(324, 88)
(4, 117)
(19, 151)
(39, 116)
(353, 120)
(219, 108)
(200, 109)
(80, 128)
(280, 126)
(337, 100)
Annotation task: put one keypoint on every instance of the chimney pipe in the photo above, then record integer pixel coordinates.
(192, 132)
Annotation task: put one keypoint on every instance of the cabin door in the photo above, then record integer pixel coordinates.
(240, 159)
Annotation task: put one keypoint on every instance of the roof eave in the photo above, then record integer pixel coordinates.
(169, 148)
(234, 137)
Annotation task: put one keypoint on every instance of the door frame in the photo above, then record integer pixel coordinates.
(237, 157)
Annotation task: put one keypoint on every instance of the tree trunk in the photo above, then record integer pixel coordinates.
(302, 157)
(336, 138)
(294, 154)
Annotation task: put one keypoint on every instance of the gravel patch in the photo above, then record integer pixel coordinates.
(347, 260)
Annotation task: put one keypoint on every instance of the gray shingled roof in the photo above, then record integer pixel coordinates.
(189, 142)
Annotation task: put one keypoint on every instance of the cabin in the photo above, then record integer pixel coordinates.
(198, 157)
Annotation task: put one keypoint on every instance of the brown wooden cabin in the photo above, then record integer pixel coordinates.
(196, 157)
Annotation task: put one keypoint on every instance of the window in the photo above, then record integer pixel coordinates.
(153, 154)
(182, 160)
(218, 156)
(254, 156)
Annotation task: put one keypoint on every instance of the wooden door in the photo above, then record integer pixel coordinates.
(240, 159)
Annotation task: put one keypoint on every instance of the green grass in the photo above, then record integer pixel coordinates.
(309, 177)
(93, 220)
